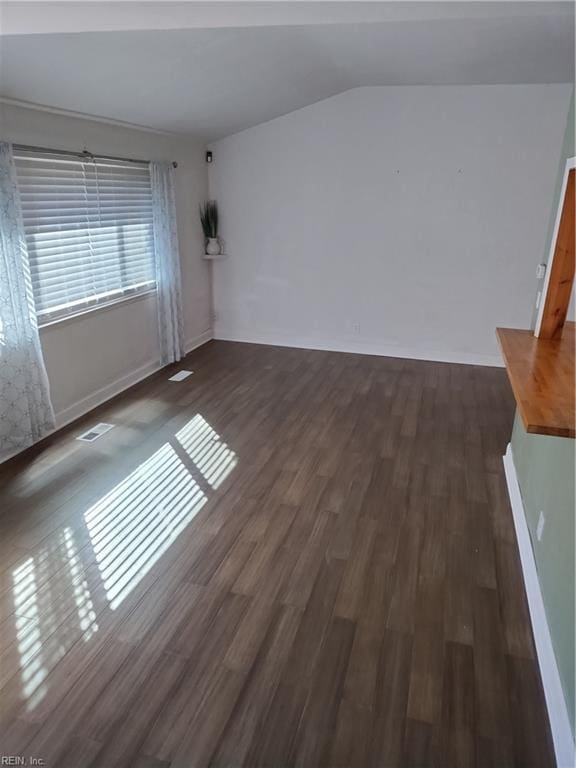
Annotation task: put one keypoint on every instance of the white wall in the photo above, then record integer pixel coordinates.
(397, 220)
(92, 357)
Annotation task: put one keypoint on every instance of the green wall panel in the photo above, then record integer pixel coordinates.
(545, 467)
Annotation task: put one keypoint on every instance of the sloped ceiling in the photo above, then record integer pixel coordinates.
(212, 81)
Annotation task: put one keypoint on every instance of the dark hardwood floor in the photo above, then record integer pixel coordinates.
(290, 558)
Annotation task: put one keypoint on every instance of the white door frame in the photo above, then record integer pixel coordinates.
(570, 164)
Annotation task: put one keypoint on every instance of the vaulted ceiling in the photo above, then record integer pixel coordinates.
(213, 80)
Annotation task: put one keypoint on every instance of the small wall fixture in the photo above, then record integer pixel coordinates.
(208, 157)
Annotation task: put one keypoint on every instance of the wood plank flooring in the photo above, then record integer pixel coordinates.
(291, 558)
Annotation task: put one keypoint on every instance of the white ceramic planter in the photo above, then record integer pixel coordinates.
(212, 246)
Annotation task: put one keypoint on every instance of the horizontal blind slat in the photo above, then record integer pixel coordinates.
(72, 307)
(89, 292)
(55, 276)
(62, 249)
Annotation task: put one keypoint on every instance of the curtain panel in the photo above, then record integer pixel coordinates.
(167, 258)
(26, 413)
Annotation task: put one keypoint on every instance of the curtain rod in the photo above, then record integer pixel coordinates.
(84, 154)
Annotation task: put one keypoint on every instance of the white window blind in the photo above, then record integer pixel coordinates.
(89, 230)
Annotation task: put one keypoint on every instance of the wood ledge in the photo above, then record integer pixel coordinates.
(541, 372)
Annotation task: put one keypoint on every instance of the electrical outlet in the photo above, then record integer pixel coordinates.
(540, 271)
(540, 527)
(356, 327)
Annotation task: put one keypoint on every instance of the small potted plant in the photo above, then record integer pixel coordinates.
(209, 219)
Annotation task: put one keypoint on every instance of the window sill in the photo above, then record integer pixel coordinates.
(96, 309)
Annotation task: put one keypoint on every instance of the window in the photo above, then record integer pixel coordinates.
(89, 230)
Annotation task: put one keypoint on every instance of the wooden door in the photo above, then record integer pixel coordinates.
(561, 277)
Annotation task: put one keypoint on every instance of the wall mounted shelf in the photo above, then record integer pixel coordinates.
(541, 372)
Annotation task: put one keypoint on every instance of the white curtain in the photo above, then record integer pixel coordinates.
(26, 413)
(168, 281)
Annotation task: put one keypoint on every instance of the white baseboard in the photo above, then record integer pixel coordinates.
(560, 726)
(79, 408)
(96, 398)
(382, 349)
(197, 341)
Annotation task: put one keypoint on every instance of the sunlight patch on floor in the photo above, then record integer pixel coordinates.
(50, 614)
(133, 525)
(213, 458)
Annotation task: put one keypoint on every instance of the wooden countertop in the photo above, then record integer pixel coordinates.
(541, 372)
